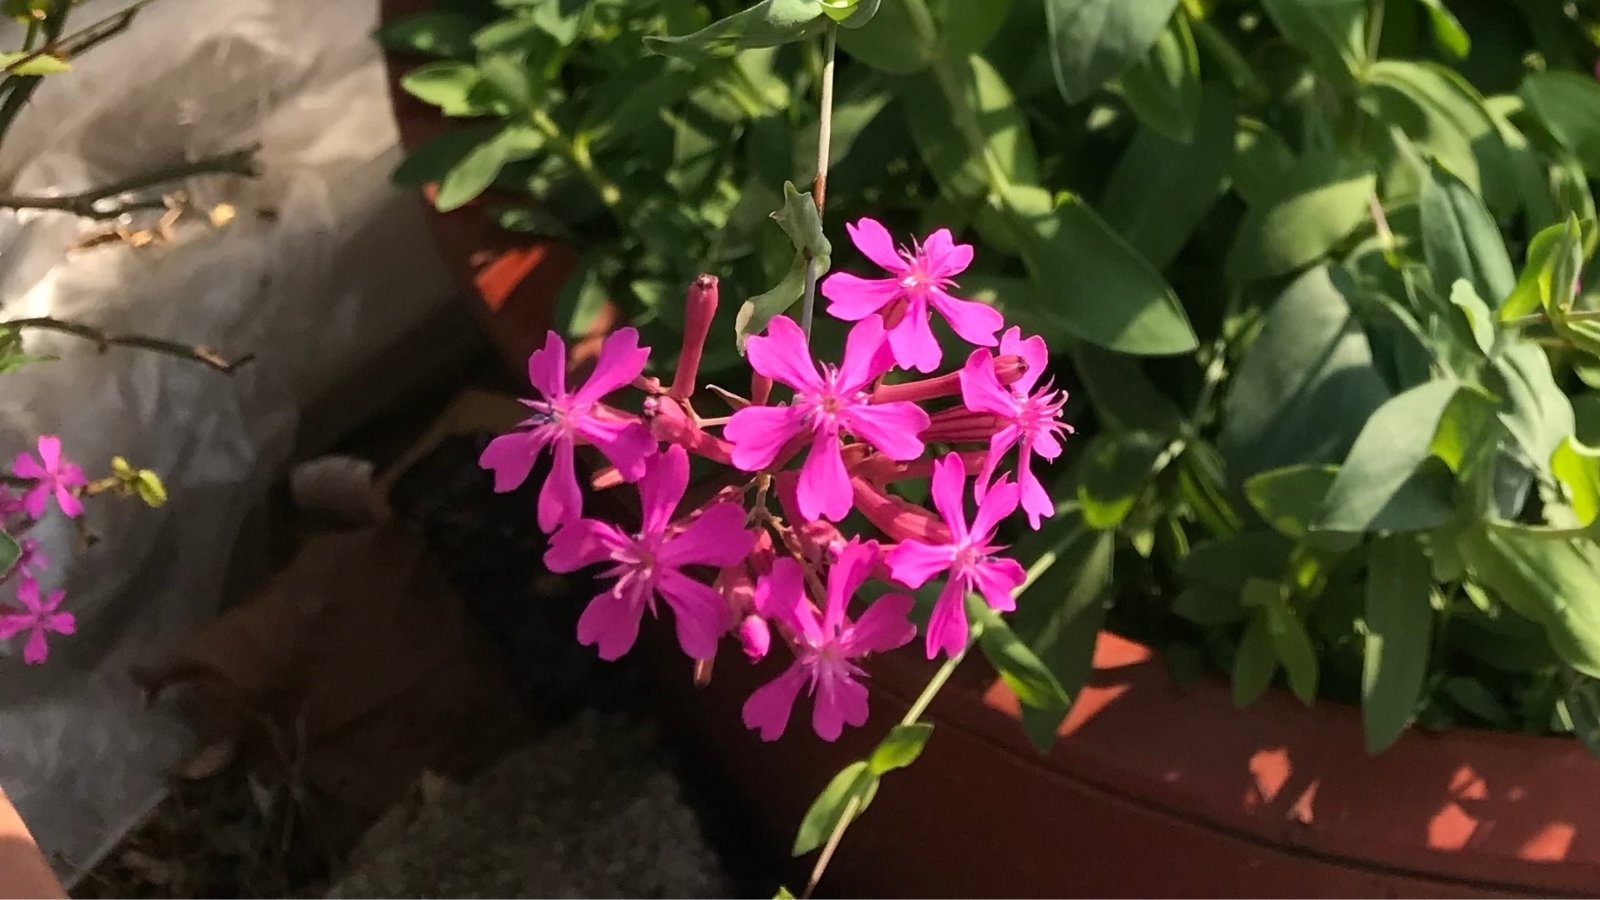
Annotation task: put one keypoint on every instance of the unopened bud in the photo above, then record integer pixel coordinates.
(1009, 368)
(755, 637)
(699, 309)
(760, 389)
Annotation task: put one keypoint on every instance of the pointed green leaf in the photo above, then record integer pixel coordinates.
(1163, 88)
(1291, 642)
(854, 782)
(1577, 466)
(1093, 41)
(1323, 200)
(1115, 474)
(1399, 633)
(437, 33)
(1546, 578)
(10, 552)
(1019, 666)
(799, 219)
(770, 23)
(899, 748)
(1329, 31)
(1290, 499)
(1568, 105)
(1255, 661)
(1460, 238)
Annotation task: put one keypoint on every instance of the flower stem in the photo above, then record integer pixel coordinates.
(819, 188)
(1539, 318)
(91, 204)
(195, 353)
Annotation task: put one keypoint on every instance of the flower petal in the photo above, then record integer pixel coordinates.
(547, 367)
(36, 651)
(71, 506)
(13, 624)
(560, 500)
(661, 489)
(999, 444)
(37, 500)
(852, 298)
(864, 358)
(891, 427)
(700, 613)
(947, 626)
(824, 489)
(1034, 352)
(28, 594)
(949, 490)
(943, 257)
(974, 322)
(998, 502)
(913, 342)
(997, 581)
(717, 537)
(611, 621)
(621, 360)
(874, 242)
(581, 543)
(913, 563)
(767, 710)
(61, 623)
(781, 595)
(883, 627)
(1035, 499)
(784, 355)
(845, 577)
(25, 466)
(511, 456)
(981, 390)
(626, 444)
(50, 452)
(840, 700)
(759, 434)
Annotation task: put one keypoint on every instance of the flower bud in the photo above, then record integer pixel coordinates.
(699, 309)
(760, 389)
(669, 423)
(755, 637)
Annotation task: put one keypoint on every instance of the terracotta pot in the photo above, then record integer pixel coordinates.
(1151, 792)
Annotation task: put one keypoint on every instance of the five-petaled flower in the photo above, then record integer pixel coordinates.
(39, 616)
(826, 646)
(650, 563)
(969, 558)
(829, 403)
(921, 278)
(561, 418)
(1033, 418)
(52, 475)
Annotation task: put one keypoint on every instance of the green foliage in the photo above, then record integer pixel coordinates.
(1359, 242)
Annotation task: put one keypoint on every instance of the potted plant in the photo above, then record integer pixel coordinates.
(1355, 453)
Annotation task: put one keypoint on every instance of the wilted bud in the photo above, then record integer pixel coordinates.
(699, 309)
(755, 637)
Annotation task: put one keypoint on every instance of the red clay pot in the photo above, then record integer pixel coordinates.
(1152, 791)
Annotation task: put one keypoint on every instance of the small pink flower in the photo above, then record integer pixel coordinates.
(51, 475)
(650, 563)
(825, 646)
(561, 418)
(969, 557)
(32, 558)
(755, 638)
(39, 617)
(829, 403)
(1032, 419)
(922, 276)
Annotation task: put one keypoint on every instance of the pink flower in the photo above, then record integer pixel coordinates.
(1032, 419)
(650, 563)
(825, 647)
(968, 557)
(828, 403)
(39, 618)
(31, 557)
(755, 637)
(561, 418)
(921, 278)
(51, 474)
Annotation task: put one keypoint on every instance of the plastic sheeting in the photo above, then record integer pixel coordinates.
(340, 267)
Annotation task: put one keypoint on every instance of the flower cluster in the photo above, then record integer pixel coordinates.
(769, 546)
(36, 483)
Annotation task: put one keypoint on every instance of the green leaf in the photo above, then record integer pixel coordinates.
(457, 88)
(899, 748)
(43, 64)
(854, 782)
(1448, 35)
(1262, 162)
(477, 168)
(1446, 116)
(1383, 484)
(1534, 409)
(1306, 386)
(892, 41)
(1060, 610)
(966, 27)
(1577, 466)
(1019, 667)
(770, 23)
(1290, 641)
(1582, 702)
(437, 33)
(851, 13)
(1093, 41)
(783, 894)
(1545, 578)
(1116, 472)
(1108, 293)
(1320, 204)
(1399, 633)
(151, 491)
(1227, 564)
(1553, 253)
(10, 552)
(1163, 88)
(1479, 318)
(1332, 32)
(1568, 105)
(799, 219)
(1161, 190)
(1124, 398)
(1290, 499)
(1255, 661)
(1460, 238)
(986, 129)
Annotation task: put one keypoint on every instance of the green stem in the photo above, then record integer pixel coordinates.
(88, 203)
(819, 188)
(191, 352)
(1539, 318)
(576, 152)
